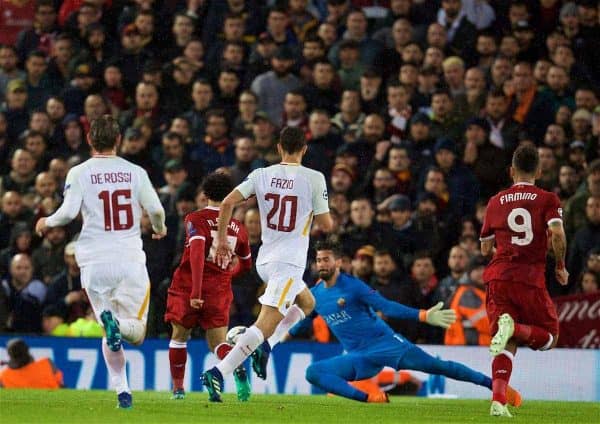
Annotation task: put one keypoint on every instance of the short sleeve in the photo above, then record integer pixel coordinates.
(553, 212)
(320, 197)
(195, 229)
(486, 230)
(248, 186)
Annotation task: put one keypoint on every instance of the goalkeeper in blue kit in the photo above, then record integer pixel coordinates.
(348, 307)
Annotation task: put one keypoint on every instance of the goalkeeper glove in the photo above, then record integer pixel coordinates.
(438, 316)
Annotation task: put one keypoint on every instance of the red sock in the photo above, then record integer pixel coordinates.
(222, 350)
(177, 360)
(532, 336)
(501, 370)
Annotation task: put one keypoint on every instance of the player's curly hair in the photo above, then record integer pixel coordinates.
(217, 186)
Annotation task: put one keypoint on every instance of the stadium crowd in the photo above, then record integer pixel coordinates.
(412, 109)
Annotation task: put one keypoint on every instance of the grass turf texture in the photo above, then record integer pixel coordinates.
(73, 406)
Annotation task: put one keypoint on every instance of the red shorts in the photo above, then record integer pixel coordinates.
(214, 312)
(526, 305)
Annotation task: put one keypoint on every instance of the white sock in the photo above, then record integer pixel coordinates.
(132, 330)
(246, 344)
(550, 341)
(115, 363)
(292, 316)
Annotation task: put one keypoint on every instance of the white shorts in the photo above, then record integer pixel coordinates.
(121, 288)
(284, 282)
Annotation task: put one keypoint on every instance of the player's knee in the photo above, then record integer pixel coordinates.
(313, 372)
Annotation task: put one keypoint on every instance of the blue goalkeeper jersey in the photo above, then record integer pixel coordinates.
(349, 308)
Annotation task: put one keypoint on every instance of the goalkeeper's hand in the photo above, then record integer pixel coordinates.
(438, 316)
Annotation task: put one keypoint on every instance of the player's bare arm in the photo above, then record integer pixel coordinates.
(559, 247)
(157, 219)
(487, 248)
(324, 222)
(224, 253)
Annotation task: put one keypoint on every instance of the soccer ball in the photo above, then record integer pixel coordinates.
(234, 334)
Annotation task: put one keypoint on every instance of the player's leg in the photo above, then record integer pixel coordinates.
(537, 324)
(97, 281)
(417, 359)
(499, 304)
(304, 304)
(182, 319)
(332, 375)
(178, 358)
(215, 338)
(282, 287)
(132, 299)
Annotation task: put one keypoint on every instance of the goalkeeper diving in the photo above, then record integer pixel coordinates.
(348, 307)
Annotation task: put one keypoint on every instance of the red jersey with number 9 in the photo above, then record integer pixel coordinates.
(518, 219)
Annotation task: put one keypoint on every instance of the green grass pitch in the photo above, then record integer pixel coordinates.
(73, 406)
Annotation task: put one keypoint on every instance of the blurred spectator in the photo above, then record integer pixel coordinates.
(363, 229)
(586, 237)
(458, 259)
(387, 280)
(14, 109)
(202, 96)
(471, 326)
(245, 156)
(272, 86)
(23, 372)
(64, 292)
(20, 242)
(215, 149)
(362, 263)
(589, 282)
(356, 29)
(48, 258)
(25, 295)
(13, 212)
(575, 209)
(263, 132)
(8, 67)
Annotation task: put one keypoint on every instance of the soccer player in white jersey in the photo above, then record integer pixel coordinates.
(289, 197)
(110, 193)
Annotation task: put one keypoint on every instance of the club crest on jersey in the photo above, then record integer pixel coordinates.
(341, 302)
(190, 228)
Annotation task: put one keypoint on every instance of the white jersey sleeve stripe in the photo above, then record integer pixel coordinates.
(197, 238)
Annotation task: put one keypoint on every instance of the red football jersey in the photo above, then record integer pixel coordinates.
(518, 220)
(202, 225)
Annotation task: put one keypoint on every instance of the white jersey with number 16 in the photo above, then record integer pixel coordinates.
(289, 196)
(110, 192)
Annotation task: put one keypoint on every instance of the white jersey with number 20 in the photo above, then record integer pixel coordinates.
(288, 196)
(110, 193)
